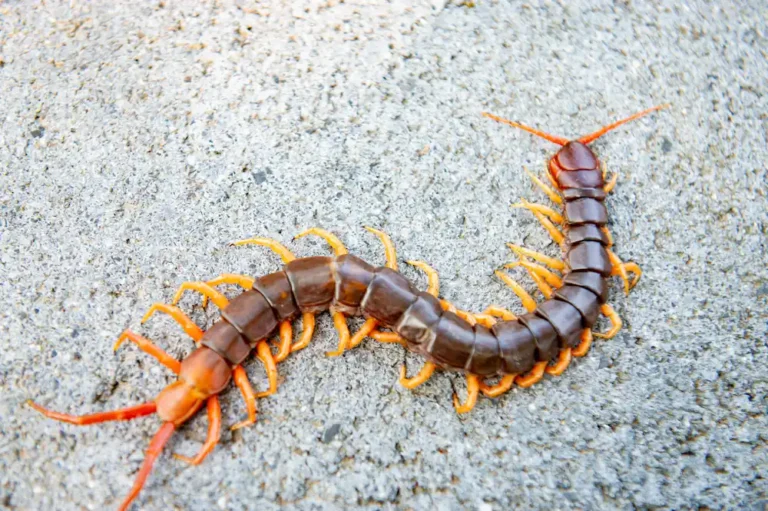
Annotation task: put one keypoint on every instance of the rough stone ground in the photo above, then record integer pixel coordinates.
(137, 141)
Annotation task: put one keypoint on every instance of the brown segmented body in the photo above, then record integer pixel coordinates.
(348, 286)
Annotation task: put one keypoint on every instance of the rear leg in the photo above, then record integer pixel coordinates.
(264, 354)
(214, 433)
(122, 414)
(155, 447)
(242, 382)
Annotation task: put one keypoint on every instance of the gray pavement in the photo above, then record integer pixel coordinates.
(137, 141)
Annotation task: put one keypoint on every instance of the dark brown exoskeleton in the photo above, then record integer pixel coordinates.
(494, 343)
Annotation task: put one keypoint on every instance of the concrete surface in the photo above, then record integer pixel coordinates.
(137, 141)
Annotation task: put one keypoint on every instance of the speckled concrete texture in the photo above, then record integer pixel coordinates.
(137, 141)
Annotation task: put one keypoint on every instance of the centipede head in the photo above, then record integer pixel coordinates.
(575, 165)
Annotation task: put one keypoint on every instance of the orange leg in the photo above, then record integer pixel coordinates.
(365, 331)
(467, 316)
(551, 279)
(563, 361)
(608, 236)
(155, 448)
(633, 268)
(553, 196)
(264, 354)
(500, 388)
(528, 302)
(340, 322)
(122, 414)
(433, 279)
(182, 319)
(611, 314)
(499, 312)
(335, 243)
(285, 254)
(532, 377)
(609, 186)
(214, 432)
(549, 261)
(586, 342)
(369, 327)
(286, 338)
(424, 374)
(485, 319)
(554, 233)
(473, 389)
(618, 269)
(448, 306)
(243, 281)
(241, 380)
(538, 208)
(146, 346)
(201, 287)
(621, 269)
(389, 337)
(308, 324)
(541, 284)
(389, 247)
(433, 288)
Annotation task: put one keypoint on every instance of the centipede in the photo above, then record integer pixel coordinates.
(492, 345)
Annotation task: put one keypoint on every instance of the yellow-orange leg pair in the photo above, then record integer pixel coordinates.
(546, 216)
(370, 327)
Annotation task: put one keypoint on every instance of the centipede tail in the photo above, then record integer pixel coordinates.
(520, 350)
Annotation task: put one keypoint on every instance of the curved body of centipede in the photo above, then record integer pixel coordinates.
(496, 343)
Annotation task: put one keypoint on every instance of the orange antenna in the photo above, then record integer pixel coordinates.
(155, 447)
(546, 136)
(602, 131)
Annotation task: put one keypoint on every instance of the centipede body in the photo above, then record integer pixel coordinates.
(495, 343)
